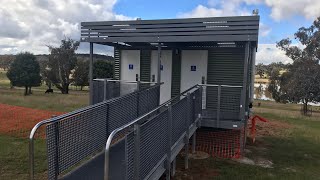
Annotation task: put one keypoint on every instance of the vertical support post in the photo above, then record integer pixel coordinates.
(31, 158)
(159, 70)
(186, 159)
(218, 106)
(138, 98)
(168, 162)
(105, 90)
(253, 71)
(159, 64)
(201, 97)
(138, 85)
(174, 165)
(244, 84)
(91, 74)
(194, 143)
(137, 152)
(243, 104)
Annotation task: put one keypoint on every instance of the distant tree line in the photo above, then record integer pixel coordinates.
(60, 68)
(300, 82)
(264, 71)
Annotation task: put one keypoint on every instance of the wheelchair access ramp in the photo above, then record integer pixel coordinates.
(129, 137)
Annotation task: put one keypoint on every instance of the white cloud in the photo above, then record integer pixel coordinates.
(268, 53)
(285, 9)
(33, 24)
(264, 30)
(220, 8)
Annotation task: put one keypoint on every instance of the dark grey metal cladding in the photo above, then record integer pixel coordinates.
(242, 28)
(145, 65)
(117, 58)
(176, 73)
(225, 67)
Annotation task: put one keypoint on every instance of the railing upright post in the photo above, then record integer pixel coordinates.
(194, 143)
(168, 162)
(137, 152)
(31, 158)
(105, 90)
(218, 106)
(186, 159)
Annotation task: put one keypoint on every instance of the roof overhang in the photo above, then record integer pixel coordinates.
(173, 32)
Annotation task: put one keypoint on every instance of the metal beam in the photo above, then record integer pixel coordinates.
(244, 84)
(159, 64)
(228, 38)
(91, 74)
(253, 71)
(170, 21)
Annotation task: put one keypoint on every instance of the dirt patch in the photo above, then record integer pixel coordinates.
(18, 121)
(265, 163)
(272, 128)
(197, 173)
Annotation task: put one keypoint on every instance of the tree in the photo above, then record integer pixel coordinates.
(81, 73)
(102, 69)
(62, 61)
(24, 71)
(260, 69)
(301, 81)
(5, 61)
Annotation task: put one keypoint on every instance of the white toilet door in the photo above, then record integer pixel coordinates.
(193, 67)
(166, 73)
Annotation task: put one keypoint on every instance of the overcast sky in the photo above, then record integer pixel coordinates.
(30, 25)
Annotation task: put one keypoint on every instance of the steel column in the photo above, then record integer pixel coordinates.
(186, 146)
(168, 161)
(159, 64)
(174, 164)
(194, 142)
(218, 105)
(244, 84)
(105, 89)
(137, 152)
(253, 71)
(91, 74)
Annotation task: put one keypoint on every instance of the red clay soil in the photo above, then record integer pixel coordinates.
(18, 121)
(271, 128)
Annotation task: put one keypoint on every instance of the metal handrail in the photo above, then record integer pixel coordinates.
(125, 81)
(114, 132)
(61, 117)
(216, 85)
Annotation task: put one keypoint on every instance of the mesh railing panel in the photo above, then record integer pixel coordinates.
(127, 88)
(212, 97)
(122, 111)
(75, 138)
(230, 99)
(197, 102)
(113, 90)
(70, 141)
(230, 103)
(130, 155)
(153, 142)
(148, 100)
(98, 91)
(179, 118)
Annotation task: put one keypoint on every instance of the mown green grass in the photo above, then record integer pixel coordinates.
(14, 159)
(40, 100)
(295, 155)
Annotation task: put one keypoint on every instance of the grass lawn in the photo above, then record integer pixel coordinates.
(294, 151)
(14, 158)
(40, 100)
(14, 151)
